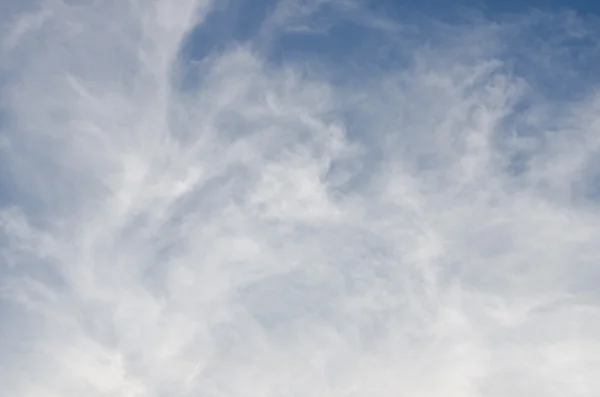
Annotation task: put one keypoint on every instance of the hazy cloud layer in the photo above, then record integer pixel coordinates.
(280, 212)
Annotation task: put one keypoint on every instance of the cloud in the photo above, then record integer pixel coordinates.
(420, 219)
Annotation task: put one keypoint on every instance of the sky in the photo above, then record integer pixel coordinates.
(297, 198)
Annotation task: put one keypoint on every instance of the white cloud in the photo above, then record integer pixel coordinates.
(269, 232)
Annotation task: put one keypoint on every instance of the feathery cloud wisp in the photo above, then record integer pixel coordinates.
(415, 214)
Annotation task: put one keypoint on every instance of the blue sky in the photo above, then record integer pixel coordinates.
(299, 198)
(491, 9)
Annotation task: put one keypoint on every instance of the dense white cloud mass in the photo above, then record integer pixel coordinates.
(423, 223)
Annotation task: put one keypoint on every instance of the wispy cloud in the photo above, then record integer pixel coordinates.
(418, 220)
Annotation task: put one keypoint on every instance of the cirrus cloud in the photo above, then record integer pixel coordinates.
(283, 214)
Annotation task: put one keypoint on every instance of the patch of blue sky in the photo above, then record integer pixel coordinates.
(347, 45)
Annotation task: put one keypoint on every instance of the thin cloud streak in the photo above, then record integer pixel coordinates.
(425, 225)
